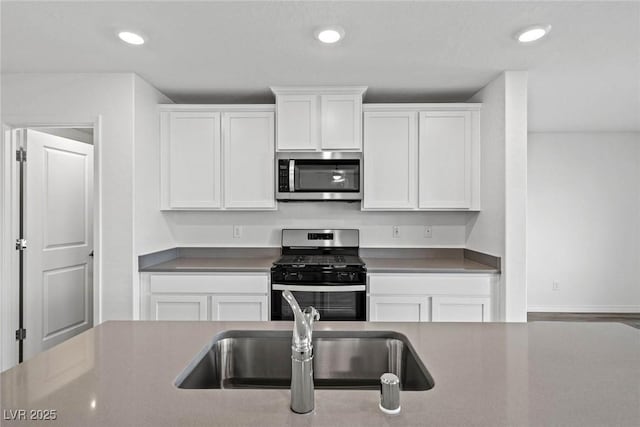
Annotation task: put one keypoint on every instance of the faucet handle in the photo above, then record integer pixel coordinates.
(311, 314)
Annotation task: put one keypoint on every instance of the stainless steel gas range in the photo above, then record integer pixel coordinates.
(321, 268)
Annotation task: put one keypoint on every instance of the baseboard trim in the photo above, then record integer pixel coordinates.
(584, 309)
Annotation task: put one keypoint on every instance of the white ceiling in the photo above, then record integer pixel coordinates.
(584, 77)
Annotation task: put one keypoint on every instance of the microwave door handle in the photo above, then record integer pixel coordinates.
(292, 167)
(311, 288)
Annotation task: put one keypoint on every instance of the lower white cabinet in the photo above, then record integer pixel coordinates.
(424, 297)
(204, 296)
(461, 309)
(239, 307)
(406, 308)
(178, 307)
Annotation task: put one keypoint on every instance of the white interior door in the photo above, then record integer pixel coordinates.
(59, 232)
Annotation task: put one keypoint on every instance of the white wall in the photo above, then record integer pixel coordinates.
(152, 232)
(73, 98)
(486, 232)
(263, 228)
(515, 258)
(499, 229)
(584, 222)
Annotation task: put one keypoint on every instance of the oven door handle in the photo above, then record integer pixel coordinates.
(305, 288)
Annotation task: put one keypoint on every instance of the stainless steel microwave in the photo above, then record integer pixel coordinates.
(327, 175)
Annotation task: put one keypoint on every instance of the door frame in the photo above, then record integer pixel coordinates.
(9, 224)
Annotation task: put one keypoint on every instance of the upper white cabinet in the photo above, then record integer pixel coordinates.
(248, 139)
(217, 157)
(421, 157)
(445, 160)
(318, 118)
(390, 165)
(297, 122)
(192, 163)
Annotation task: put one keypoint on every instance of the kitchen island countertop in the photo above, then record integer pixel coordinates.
(543, 373)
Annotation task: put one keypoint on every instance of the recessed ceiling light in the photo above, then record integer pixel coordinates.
(131, 38)
(533, 33)
(330, 35)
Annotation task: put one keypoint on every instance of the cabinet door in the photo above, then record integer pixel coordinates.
(390, 164)
(461, 309)
(191, 158)
(399, 309)
(445, 160)
(341, 122)
(297, 122)
(248, 160)
(239, 307)
(178, 307)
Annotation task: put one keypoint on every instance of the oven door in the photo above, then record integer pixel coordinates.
(334, 302)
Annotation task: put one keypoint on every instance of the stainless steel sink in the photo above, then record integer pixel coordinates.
(342, 360)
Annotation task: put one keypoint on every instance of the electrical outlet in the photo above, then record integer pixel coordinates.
(555, 286)
(237, 232)
(428, 232)
(396, 231)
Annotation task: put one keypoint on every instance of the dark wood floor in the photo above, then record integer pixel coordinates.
(631, 319)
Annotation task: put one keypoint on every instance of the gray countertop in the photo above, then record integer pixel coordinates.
(122, 373)
(426, 265)
(210, 264)
(392, 260)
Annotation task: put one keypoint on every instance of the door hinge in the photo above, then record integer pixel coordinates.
(21, 155)
(21, 334)
(21, 244)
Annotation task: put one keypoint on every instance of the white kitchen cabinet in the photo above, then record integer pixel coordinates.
(248, 150)
(178, 307)
(191, 172)
(341, 122)
(297, 122)
(217, 157)
(428, 153)
(239, 307)
(390, 164)
(445, 160)
(408, 308)
(318, 118)
(438, 297)
(204, 296)
(461, 309)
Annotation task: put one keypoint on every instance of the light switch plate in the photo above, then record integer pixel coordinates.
(396, 231)
(237, 232)
(428, 232)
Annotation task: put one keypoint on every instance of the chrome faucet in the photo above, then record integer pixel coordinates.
(302, 391)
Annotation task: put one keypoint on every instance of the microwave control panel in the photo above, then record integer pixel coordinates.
(283, 176)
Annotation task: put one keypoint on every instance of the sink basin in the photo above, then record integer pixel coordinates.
(342, 360)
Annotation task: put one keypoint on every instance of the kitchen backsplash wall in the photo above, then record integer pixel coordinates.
(263, 228)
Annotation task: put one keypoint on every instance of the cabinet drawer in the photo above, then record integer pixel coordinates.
(399, 309)
(461, 309)
(430, 284)
(210, 283)
(178, 307)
